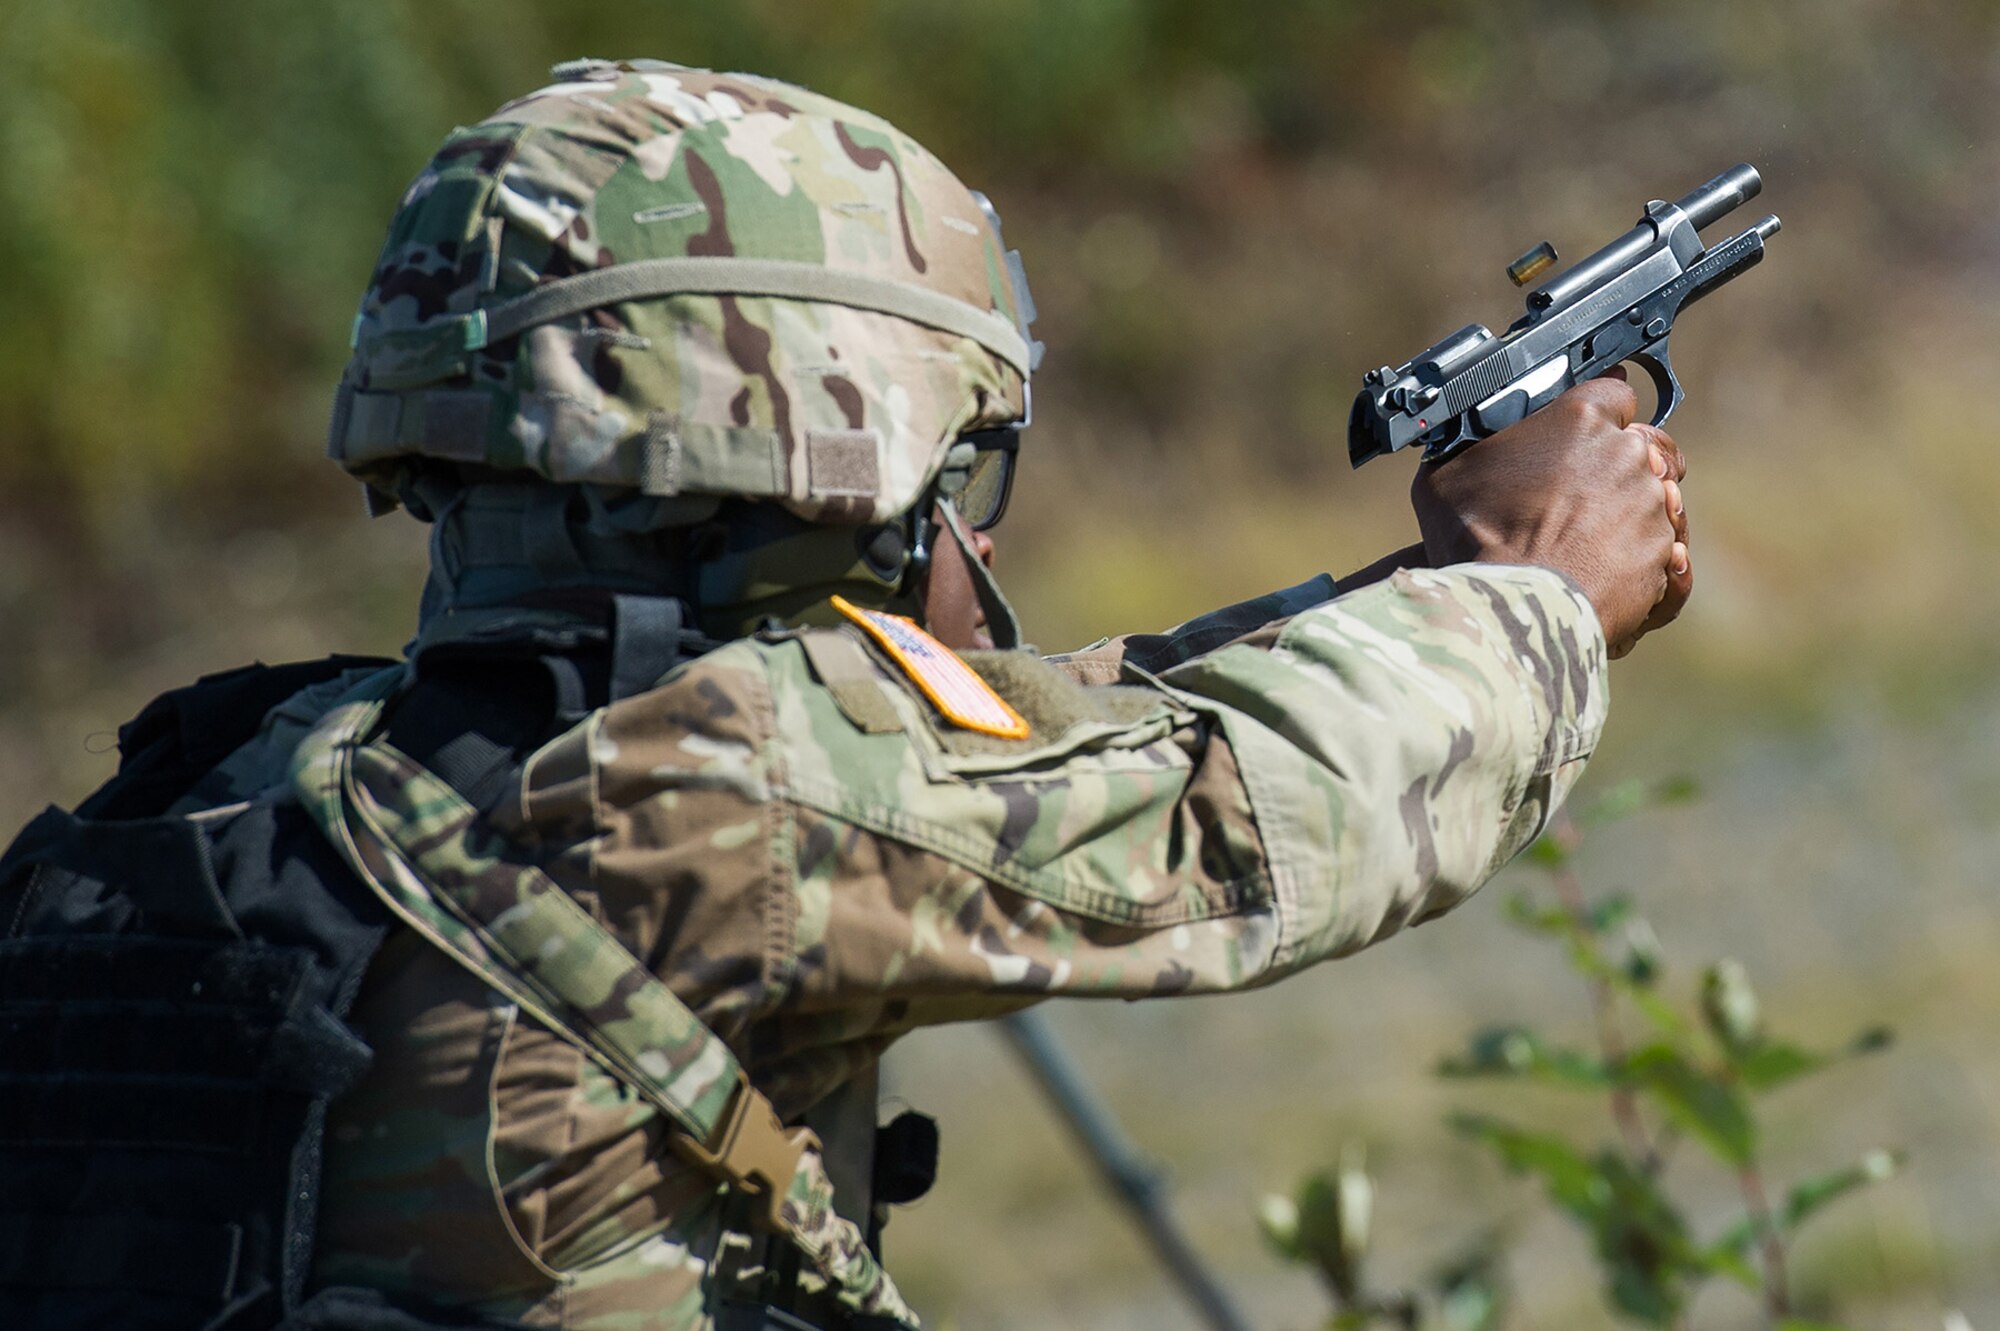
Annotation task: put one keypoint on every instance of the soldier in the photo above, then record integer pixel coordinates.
(715, 766)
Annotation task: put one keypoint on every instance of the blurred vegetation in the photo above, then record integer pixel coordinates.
(1671, 1077)
(192, 192)
(1229, 211)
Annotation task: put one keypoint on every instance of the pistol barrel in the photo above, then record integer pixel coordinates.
(1724, 194)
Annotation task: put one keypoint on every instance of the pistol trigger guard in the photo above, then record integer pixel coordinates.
(1443, 449)
(1659, 366)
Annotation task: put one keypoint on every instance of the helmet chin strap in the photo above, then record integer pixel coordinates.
(1002, 625)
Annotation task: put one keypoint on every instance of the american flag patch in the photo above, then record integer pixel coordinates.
(953, 687)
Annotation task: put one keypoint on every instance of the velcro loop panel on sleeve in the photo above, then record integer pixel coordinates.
(852, 680)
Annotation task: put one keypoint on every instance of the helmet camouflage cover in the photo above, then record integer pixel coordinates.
(684, 283)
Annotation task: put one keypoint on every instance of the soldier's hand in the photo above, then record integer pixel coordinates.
(1579, 488)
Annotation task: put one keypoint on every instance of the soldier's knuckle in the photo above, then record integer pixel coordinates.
(1580, 414)
(1633, 450)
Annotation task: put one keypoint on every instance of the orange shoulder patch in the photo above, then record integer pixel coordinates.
(953, 687)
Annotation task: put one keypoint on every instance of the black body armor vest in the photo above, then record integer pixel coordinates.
(171, 995)
(173, 991)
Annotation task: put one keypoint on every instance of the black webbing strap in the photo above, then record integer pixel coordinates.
(477, 766)
(475, 710)
(650, 635)
(480, 704)
(646, 642)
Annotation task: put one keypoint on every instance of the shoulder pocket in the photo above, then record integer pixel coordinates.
(1119, 805)
(877, 695)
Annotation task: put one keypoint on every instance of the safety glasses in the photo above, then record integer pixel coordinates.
(982, 500)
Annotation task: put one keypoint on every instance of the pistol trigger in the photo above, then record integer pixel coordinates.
(1659, 366)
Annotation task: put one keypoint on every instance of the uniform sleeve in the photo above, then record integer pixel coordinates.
(1403, 743)
(799, 843)
(1302, 790)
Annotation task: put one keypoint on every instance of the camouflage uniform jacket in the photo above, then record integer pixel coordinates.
(791, 836)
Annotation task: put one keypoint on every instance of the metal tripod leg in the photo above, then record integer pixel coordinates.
(1136, 1180)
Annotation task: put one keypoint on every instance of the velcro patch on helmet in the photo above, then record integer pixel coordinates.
(844, 463)
(953, 687)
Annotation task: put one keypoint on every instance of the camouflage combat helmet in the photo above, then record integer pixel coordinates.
(689, 286)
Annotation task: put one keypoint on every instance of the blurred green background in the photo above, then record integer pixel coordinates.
(1229, 212)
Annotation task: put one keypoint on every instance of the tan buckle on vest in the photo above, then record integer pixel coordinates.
(754, 1151)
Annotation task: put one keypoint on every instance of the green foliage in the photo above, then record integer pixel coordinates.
(1703, 1101)
(1229, 211)
(1325, 1224)
(1693, 1078)
(1514, 1051)
(1808, 1197)
(190, 196)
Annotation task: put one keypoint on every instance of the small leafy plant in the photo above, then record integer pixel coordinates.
(1324, 1224)
(1671, 1074)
